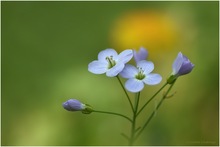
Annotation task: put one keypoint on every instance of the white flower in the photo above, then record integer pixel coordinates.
(139, 76)
(110, 62)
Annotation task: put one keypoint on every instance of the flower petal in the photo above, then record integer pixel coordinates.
(98, 67)
(125, 56)
(152, 79)
(107, 53)
(140, 55)
(115, 70)
(129, 71)
(146, 66)
(186, 68)
(134, 85)
(177, 63)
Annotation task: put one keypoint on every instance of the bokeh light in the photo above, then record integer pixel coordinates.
(153, 29)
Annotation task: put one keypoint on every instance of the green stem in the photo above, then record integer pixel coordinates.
(153, 113)
(151, 99)
(125, 136)
(113, 113)
(125, 93)
(133, 128)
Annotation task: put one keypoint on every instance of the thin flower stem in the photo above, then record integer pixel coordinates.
(153, 113)
(113, 113)
(137, 129)
(125, 136)
(133, 128)
(151, 99)
(125, 93)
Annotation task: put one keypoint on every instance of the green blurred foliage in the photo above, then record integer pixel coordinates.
(46, 48)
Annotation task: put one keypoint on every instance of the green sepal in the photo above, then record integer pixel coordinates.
(88, 109)
(172, 79)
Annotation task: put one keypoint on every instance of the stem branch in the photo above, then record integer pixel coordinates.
(153, 113)
(125, 93)
(151, 99)
(113, 113)
(133, 127)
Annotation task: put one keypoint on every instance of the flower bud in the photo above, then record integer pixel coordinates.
(181, 66)
(140, 55)
(73, 105)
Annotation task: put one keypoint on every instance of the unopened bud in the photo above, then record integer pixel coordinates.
(76, 105)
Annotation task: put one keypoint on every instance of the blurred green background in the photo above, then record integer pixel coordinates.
(46, 48)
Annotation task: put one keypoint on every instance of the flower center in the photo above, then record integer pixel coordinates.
(111, 62)
(140, 75)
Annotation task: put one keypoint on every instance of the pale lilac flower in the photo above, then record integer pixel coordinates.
(110, 62)
(73, 105)
(182, 65)
(140, 75)
(140, 55)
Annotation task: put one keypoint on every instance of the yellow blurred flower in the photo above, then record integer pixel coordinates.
(154, 30)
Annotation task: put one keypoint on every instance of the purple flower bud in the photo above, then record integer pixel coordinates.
(73, 105)
(182, 65)
(140, 55)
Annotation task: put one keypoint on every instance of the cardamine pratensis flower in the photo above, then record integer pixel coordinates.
(139, 76)
(140, 55)
(181, 66)
(110, 62)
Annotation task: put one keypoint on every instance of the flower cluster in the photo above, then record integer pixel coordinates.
(116, 65)
(112, 64)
